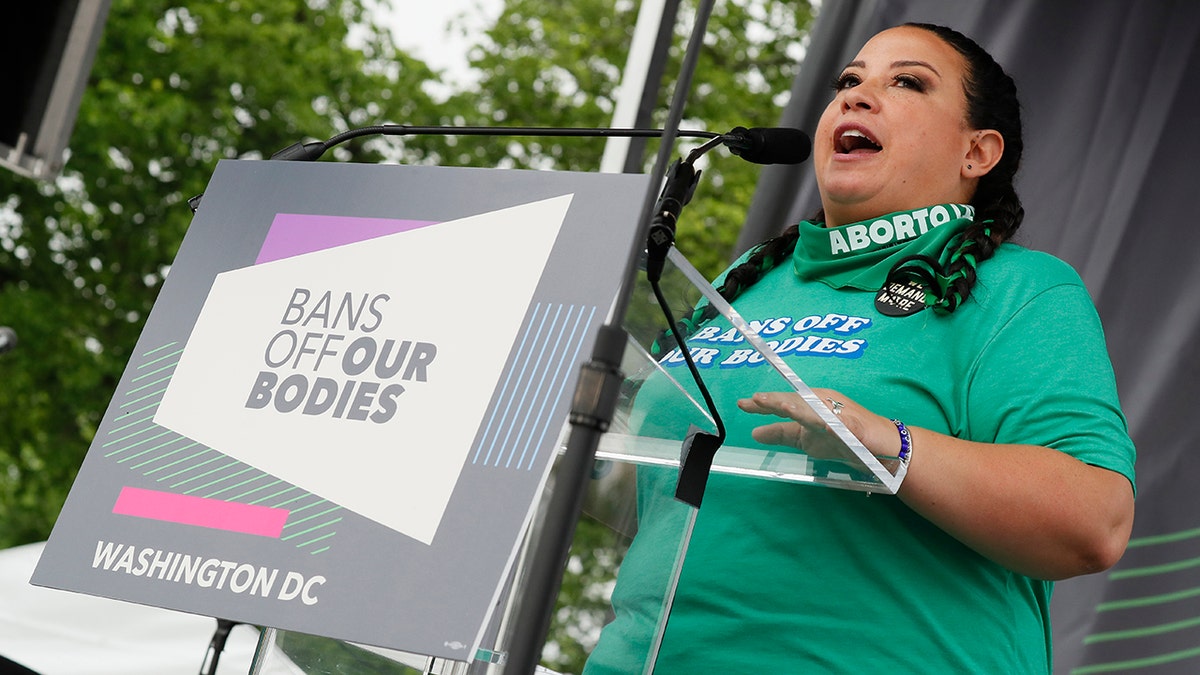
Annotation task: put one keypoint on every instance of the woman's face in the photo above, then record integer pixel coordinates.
(895, 136)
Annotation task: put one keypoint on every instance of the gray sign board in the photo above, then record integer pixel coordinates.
(347, 398)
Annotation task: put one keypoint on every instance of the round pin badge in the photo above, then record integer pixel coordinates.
(900, 298)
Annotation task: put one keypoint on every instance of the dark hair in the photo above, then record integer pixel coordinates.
(991, 104)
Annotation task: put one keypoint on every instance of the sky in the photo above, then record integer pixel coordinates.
(419, 27)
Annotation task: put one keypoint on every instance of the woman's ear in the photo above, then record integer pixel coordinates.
(986, 150)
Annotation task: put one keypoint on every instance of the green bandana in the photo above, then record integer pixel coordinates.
(860, 255)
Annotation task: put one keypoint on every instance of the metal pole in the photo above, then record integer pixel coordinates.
(595, 399)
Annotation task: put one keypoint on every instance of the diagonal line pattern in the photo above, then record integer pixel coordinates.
(194, 469)
(1141, 618)
(514, 433)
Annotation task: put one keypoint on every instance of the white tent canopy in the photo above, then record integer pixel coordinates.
(54, 632)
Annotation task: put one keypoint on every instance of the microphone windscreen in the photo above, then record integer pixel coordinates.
(769, 145)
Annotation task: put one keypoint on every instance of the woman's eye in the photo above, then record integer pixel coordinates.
(845, 81)
(849, 80)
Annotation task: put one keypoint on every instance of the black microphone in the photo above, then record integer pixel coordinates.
(8, 339)
(769, 145)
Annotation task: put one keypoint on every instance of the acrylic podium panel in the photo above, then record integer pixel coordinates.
(649, 436)
(835, 459)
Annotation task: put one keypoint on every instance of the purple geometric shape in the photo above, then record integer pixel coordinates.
(294, 234)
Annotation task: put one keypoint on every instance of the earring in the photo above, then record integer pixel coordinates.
(968, 166)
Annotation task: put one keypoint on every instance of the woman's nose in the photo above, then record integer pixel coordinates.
(859, 97)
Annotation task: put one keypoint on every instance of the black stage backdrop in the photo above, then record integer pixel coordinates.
(1111, 95)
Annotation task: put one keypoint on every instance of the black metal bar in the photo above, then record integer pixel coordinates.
(574, 470)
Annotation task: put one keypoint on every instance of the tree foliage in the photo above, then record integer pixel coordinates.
(173, 90)
(563, 68)
(179, 85)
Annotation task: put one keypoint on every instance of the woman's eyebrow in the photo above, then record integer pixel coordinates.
(922, 64)
(896, 64)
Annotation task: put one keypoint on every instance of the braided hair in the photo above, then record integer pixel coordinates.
(991, 104)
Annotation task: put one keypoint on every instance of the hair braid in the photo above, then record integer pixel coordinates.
(992, 103)
(764, 257)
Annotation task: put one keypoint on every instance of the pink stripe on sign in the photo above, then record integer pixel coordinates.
(201, 511)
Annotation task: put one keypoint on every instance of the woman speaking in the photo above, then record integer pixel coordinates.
(982, 364)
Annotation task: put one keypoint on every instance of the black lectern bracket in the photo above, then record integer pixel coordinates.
(695, 463)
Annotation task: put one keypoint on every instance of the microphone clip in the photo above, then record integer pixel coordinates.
(681, 182)
(738, 141)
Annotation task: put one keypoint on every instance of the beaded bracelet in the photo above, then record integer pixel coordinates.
(905, 441)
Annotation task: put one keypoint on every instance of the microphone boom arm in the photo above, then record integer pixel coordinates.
(314, 149)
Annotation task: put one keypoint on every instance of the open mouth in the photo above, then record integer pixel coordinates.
(856, 142)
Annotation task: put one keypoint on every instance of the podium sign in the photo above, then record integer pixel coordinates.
(347, 397)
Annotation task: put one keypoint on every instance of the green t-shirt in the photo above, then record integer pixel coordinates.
(781, 577)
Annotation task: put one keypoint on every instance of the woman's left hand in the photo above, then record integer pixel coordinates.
(804, 429)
